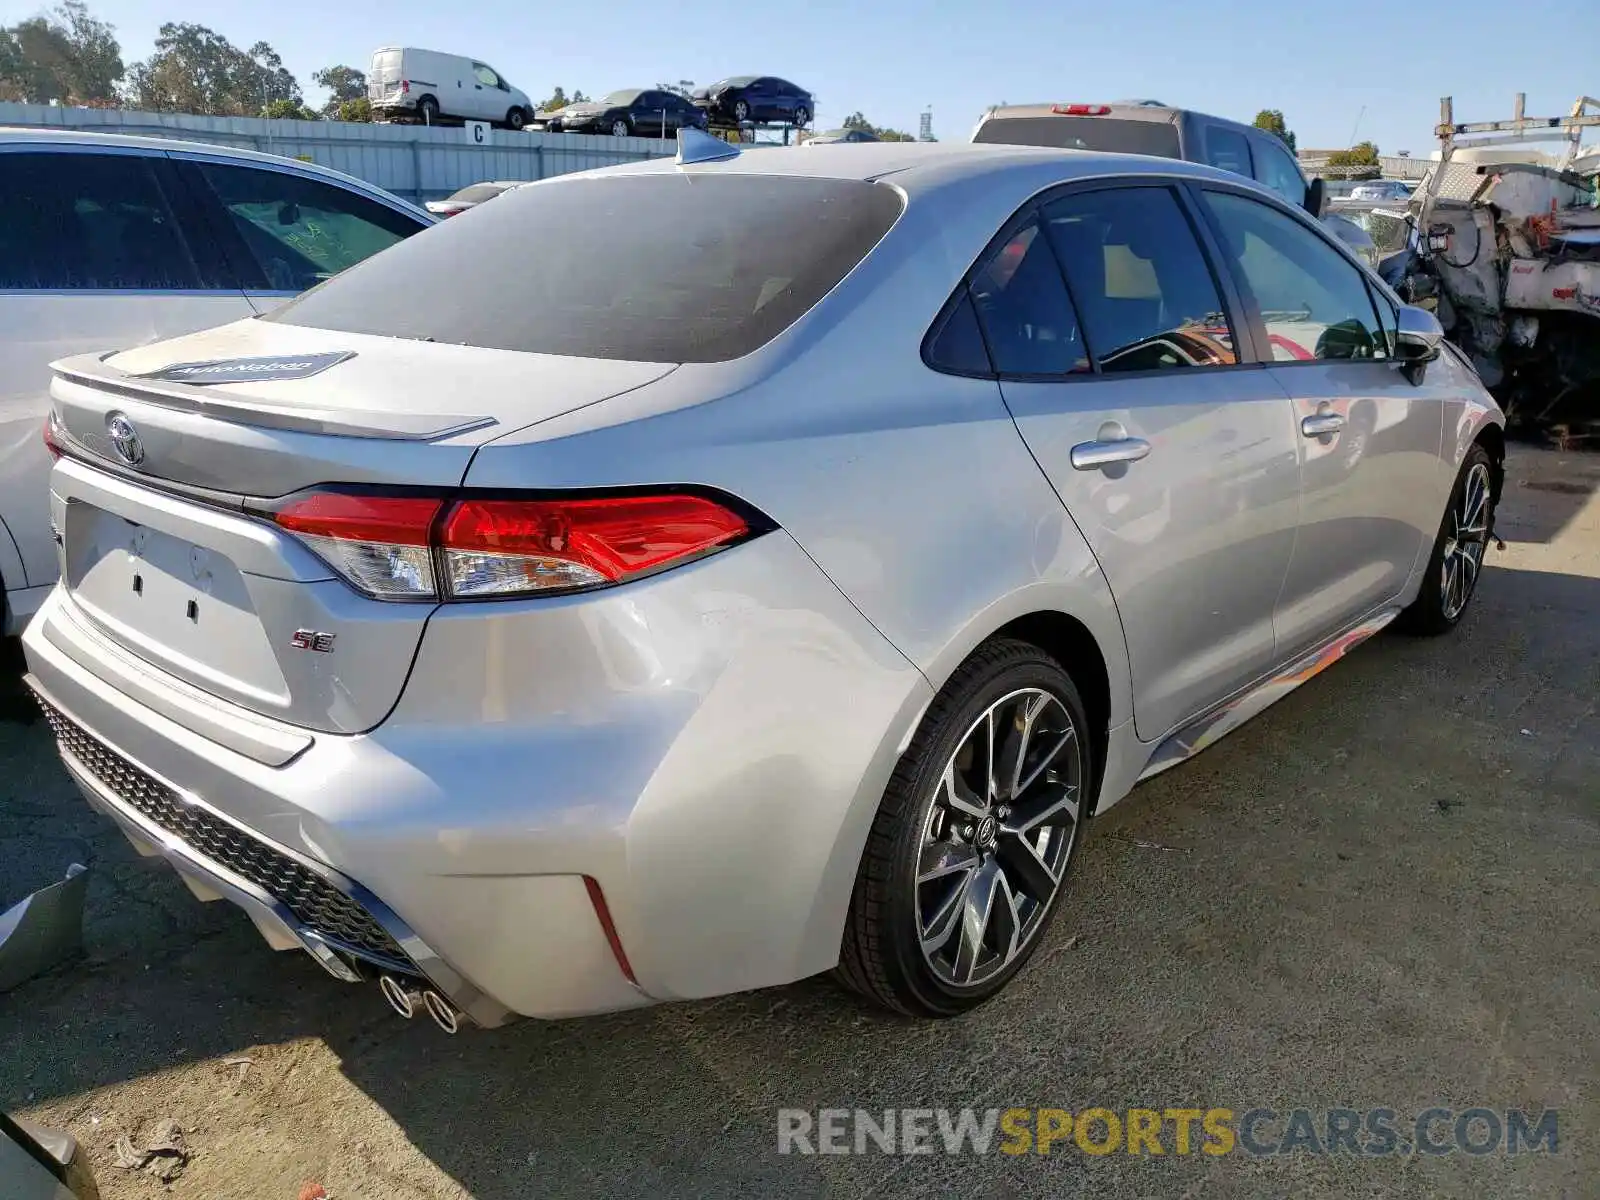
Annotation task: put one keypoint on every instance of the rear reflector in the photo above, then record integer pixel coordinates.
(52, 441)
(411, 547)
(1080, 110)
(603, 913)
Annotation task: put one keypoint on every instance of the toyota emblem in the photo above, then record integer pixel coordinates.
(125, 438)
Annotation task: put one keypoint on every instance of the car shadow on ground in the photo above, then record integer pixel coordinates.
(1350, 901)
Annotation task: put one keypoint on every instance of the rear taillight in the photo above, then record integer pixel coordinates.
(1081, 110)
(405, 87)
(431, 548)
(52, 436)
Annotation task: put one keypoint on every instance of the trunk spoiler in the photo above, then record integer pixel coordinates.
(91, 370)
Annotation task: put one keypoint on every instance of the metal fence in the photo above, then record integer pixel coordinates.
(413, 161)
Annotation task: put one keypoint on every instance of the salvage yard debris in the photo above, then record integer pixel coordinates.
(164, 1156)
(1504, 245)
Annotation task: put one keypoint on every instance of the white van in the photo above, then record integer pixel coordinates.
(423, 85)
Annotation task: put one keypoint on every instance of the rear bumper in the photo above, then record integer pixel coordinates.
(708, 746)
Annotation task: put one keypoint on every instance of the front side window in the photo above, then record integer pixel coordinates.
(485, 76)
(1280, 173)
(1024, 310)
(89, 222)
(300, 231)
(1228, 150)
(1143, 289)
(650, 268)
(1313, 301)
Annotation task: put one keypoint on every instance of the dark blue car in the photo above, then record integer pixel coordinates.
(761, 99)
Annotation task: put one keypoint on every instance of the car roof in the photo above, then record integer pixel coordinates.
(913, 164)
(1120, 111)
(46, 137)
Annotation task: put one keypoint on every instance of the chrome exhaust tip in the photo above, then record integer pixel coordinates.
(401, 997)
(442, 1011)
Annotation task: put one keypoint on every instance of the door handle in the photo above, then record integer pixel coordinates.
(1322, 424)
(1088, 456)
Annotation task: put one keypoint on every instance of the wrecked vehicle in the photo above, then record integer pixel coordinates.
(1506, 251)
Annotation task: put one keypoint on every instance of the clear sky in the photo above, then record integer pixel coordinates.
(1321, 63)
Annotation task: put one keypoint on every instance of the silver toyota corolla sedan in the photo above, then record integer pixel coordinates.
(771, 572)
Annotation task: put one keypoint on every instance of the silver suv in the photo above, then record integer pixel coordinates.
(685, 609)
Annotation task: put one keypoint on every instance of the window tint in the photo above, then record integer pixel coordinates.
(1279, 172)
(299, 231)
(1313, 300)
(89, 221)
(656, 268)
(1024, 309)
(1388, 320)
(1159, 138)
(1228, 149)
(958, 344)
(1142, 285)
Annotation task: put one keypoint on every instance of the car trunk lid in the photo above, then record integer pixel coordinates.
(158, 503)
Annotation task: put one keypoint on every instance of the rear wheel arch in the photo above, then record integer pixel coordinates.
(1493, 439)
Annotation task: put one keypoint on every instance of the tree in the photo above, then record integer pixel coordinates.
(347, 85)
(1271, 119)
(196, 70)
(684, 88)
(67, 56)
(1362, 154)
(358, 110)
(559, 99)
(289, 110)
(857, 121)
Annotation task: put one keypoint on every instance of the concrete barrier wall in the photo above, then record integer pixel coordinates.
(409, 160)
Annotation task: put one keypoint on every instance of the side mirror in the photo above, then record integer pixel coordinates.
(1419, 336)
(1316, 197)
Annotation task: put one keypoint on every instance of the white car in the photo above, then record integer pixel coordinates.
(111, 242)
(406, 83)
(1382, 190)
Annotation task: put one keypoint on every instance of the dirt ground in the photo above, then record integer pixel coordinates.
(1382, 893)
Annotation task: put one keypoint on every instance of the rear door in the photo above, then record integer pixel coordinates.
(1367, 438)
(1173, 455)
(284, 231)
(96, 254)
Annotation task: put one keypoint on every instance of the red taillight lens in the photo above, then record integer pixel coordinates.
(399, 548)
(52, 441)
(405, 86)
(495, 547)
(379, 543)
(1080, 110)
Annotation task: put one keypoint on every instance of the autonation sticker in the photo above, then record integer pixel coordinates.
(249, 370)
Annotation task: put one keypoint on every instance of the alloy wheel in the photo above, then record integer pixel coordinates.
(997, 837)
(1465, 546)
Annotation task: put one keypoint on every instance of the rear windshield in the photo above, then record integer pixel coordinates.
(1083, 133)
(652, 268)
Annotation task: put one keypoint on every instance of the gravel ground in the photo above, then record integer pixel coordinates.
(1382, 893)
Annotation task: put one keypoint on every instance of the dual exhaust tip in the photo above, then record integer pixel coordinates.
(406, 999)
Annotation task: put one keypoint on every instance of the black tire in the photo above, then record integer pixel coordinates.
(622, 127)
(428, 110)
(1438, 609)
(516, 118)
(882, 955)
(741, 111)
(802, 117)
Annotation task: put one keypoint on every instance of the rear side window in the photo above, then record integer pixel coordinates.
(1313, 301)
(1025, 311)
(1228, 150)
(655, 268)
(89, 222)
(1143, 288)
(298, 231)
(1279, 172)
(1158, 138)
(957, 345)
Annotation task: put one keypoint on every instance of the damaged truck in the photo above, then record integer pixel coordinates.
(1504, 246)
